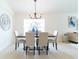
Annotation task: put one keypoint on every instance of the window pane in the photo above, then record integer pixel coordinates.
(34, 25)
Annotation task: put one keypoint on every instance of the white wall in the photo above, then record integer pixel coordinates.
(53, 21)
(5, 36)
(58, 21)
(19, 22)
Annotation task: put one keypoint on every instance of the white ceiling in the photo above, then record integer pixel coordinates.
(44, 5)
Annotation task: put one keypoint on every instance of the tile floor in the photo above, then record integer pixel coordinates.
(65, 51)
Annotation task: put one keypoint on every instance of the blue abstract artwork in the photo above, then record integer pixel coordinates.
(73, 22)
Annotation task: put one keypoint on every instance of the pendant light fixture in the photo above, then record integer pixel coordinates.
(35, 15)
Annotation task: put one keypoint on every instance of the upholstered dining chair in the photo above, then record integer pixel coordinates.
(53, 39)
(43, 42)
(30, 42)
(19, 40)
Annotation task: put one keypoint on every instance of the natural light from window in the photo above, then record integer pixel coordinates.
(34, 25)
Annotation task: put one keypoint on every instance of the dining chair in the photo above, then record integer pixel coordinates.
(19, 40)
(43, 42)
(53, 39)
(30, 42)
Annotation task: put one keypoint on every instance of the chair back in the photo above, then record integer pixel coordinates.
(55, 33)
(30, 39)
(43, 38)
(15, 35)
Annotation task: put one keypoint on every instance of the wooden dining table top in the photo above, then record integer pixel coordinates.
(23, 36)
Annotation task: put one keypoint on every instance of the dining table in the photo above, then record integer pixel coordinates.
(37, 38)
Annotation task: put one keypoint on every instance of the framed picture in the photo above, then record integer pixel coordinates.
(4, 22)
(72, 22)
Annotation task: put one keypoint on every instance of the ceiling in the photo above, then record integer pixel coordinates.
(44, 5)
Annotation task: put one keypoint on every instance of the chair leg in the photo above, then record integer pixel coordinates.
(53, 44)
(18, 44)
(37, 43)
(39, 50)
(48, 44)
(56, 45)
(47, 50)
(26, 50)
(34, 51)
(15, 45)
(24, 45)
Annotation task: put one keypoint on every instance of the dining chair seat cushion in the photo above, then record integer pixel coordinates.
(21, 41)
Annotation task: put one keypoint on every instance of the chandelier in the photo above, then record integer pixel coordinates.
(35, 15)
